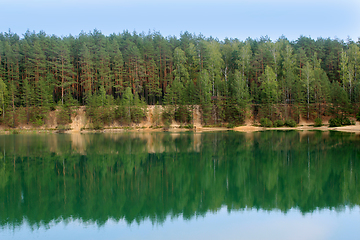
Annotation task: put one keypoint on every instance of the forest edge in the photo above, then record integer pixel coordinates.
(81, 123)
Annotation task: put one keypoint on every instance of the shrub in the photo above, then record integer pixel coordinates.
(290, 123)
(230, 125)
(64, 115)
(37, 122)
(345, 121)
(265, 122)
(278, 123)
(137, 114)
(183, 114)
(62, 128)
(334, 122)
(353, 122)
(358, 116)
(189, 126)
(167, 116)
(97, 125)
(166, 125)
(318, 122)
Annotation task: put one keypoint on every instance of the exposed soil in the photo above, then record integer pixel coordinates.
(153, 123)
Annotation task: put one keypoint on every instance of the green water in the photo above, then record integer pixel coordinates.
(163, 185)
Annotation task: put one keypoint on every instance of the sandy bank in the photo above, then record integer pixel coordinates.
(247, 129)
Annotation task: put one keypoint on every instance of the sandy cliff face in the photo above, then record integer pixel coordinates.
(153, 118)
(79, 119)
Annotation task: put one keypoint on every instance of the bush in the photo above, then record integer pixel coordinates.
(334, 122)
(337, 122)
(318, 122)
(265, 122)
(64, 115)
(37, 122)
(183, 114)
(358, 116)
(230, 125)
(345, 121)
(167, 116)
(62, 128)
(278, 123)
(137, 114)
(97, 125)
(189, 126)
(290, 123)
(15, 132)
(166, 125)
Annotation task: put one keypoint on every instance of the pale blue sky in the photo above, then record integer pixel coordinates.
(220, 19)
(250, 224)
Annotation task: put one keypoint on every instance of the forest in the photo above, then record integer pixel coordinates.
(115, 76)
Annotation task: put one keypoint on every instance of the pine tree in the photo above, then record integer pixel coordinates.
(3, 95)
(205, 97)
(270, 89)
(308, 79)
(289, 76)
(64, 70)
(87, 72)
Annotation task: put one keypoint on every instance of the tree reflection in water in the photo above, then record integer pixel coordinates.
(137, 176)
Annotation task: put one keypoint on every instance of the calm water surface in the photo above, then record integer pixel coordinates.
(224, 185)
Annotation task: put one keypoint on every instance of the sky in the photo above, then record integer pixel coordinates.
(220, 19)
(250, 224)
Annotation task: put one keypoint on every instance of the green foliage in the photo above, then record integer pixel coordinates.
(62, 128)
(340, 121)
(130, 108)
(340, 101)
(222, 77)
(183, 114)
(290, 123)
(100, 110)
(3, 95)
(64, 114)
(189, 126)
(318, 122)
(265, 122)
(37, 122)
(334, 122)
(205, 97)
(156, 117)
(231, 125)
(279, 123)
(270, 89)
(138, 110)
(167, 115)
(345, 121)
(358, 116)
(14, 131)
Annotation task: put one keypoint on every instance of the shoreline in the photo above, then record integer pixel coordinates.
(246, 128)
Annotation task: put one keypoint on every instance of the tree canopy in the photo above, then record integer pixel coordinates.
(39, 70)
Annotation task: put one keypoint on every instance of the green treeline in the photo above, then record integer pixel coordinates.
(45, 178)
(283, 79)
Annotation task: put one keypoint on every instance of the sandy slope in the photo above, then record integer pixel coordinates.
(80, 122)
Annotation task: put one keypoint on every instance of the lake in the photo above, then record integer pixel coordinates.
(215, 185)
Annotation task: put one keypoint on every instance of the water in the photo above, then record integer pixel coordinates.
(228, 185)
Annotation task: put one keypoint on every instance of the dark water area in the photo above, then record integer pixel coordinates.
(144, 185)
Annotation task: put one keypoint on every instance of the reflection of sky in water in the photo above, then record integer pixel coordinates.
(251, 224)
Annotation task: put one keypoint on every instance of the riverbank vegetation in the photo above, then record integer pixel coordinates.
(116, 76)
